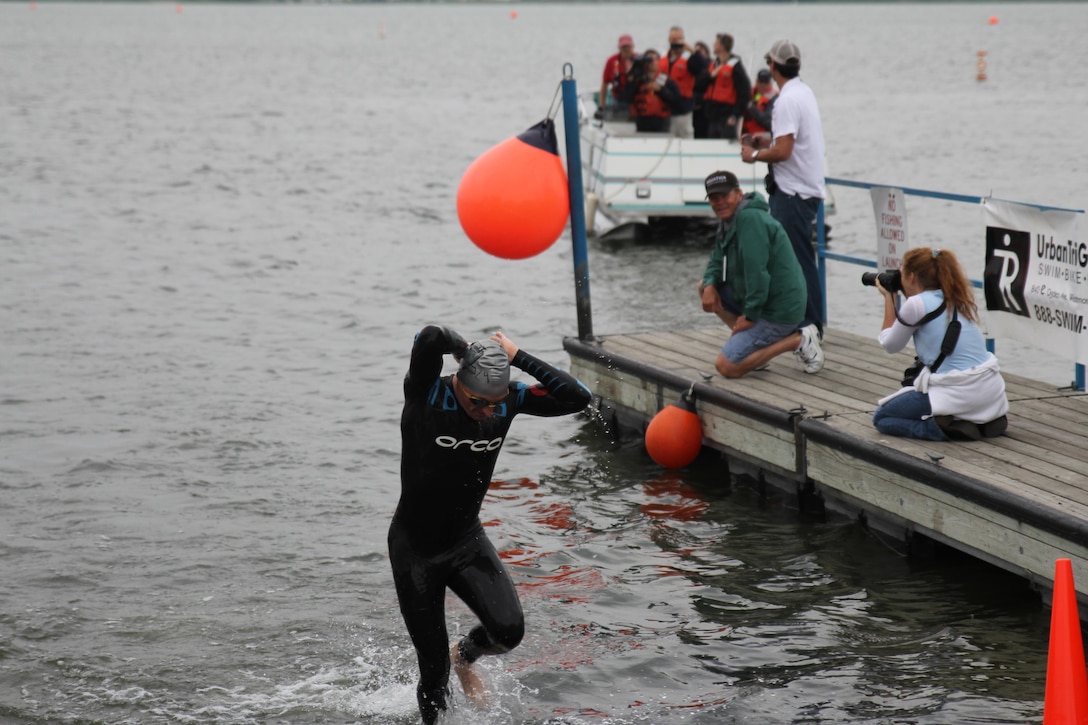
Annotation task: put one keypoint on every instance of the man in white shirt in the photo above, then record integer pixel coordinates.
(797, 158)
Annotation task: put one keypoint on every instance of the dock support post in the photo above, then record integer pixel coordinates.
(577, 204)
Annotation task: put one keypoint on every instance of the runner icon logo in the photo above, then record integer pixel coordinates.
(1008, 255)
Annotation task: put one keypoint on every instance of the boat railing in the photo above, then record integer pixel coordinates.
(823, 254)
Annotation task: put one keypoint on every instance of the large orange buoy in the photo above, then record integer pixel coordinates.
(513, 201)
(675, 435)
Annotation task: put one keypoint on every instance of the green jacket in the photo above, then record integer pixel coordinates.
(760, 265)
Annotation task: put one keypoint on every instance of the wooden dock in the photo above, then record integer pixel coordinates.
(1019, 501)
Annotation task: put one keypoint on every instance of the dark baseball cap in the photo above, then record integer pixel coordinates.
(721, 182)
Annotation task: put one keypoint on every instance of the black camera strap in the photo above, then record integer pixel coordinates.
(948, 344)
(925, 320)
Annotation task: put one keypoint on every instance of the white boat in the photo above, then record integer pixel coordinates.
(640, 178)
(633, 178)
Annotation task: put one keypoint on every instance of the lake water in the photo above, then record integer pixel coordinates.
(221, 227)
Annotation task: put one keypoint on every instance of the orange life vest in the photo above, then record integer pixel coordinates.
(648, 104)
(722, 89)
(750, 125)
(615, 74)
(678, 71)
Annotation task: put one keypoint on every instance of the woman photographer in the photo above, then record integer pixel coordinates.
(959, 392)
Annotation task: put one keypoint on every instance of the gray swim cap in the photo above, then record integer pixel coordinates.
(485, 369)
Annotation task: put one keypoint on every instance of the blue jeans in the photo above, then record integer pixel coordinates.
(796, 216)
(902, 416)
(762, 334)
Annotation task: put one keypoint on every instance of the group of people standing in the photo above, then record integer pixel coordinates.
(690, 92)
(762, 279)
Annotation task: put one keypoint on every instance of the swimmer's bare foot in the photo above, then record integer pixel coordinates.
(470, 680)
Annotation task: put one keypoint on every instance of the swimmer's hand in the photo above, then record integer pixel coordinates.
(508, 345)
(458, 343)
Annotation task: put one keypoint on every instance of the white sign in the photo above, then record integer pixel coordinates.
(890, 209)
(1036, 277)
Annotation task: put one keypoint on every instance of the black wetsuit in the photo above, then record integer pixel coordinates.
(436, 539)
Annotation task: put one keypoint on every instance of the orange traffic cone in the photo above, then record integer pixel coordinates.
(1066, 680)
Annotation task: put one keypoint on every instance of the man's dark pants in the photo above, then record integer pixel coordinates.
(796, 215)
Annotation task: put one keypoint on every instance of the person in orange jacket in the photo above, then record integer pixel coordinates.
(683, 66)
(728, 94)
(652, 95)
(617, 68)
(757, 117)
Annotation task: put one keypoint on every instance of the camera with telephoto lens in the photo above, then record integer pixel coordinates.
(889, 280)
(643, 70)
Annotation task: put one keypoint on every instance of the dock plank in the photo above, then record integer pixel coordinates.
(983, 460)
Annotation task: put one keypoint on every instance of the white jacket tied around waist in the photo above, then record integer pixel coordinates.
(976, 394)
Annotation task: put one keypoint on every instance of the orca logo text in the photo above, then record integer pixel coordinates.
(474, 446)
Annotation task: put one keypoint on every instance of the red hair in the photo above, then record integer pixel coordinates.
(939, 269)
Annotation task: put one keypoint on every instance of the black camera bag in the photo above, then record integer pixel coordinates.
(768, 181)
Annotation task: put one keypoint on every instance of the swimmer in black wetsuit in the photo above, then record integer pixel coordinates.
(452, 429)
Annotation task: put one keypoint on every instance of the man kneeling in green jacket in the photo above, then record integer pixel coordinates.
(754, 284)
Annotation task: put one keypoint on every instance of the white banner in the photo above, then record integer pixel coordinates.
(890, 210)
(1036, 278)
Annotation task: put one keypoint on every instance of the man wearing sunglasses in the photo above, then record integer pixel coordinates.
(452, 428)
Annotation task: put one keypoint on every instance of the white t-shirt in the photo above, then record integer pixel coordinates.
(795, 112)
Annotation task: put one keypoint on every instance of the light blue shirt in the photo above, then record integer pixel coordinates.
(970, 349)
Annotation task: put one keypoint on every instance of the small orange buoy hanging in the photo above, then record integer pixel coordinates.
(981, 65)
(513, 201)
(675, 435)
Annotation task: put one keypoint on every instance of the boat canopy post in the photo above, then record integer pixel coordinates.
(577, 204)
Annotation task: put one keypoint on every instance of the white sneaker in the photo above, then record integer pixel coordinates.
(808, 352)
